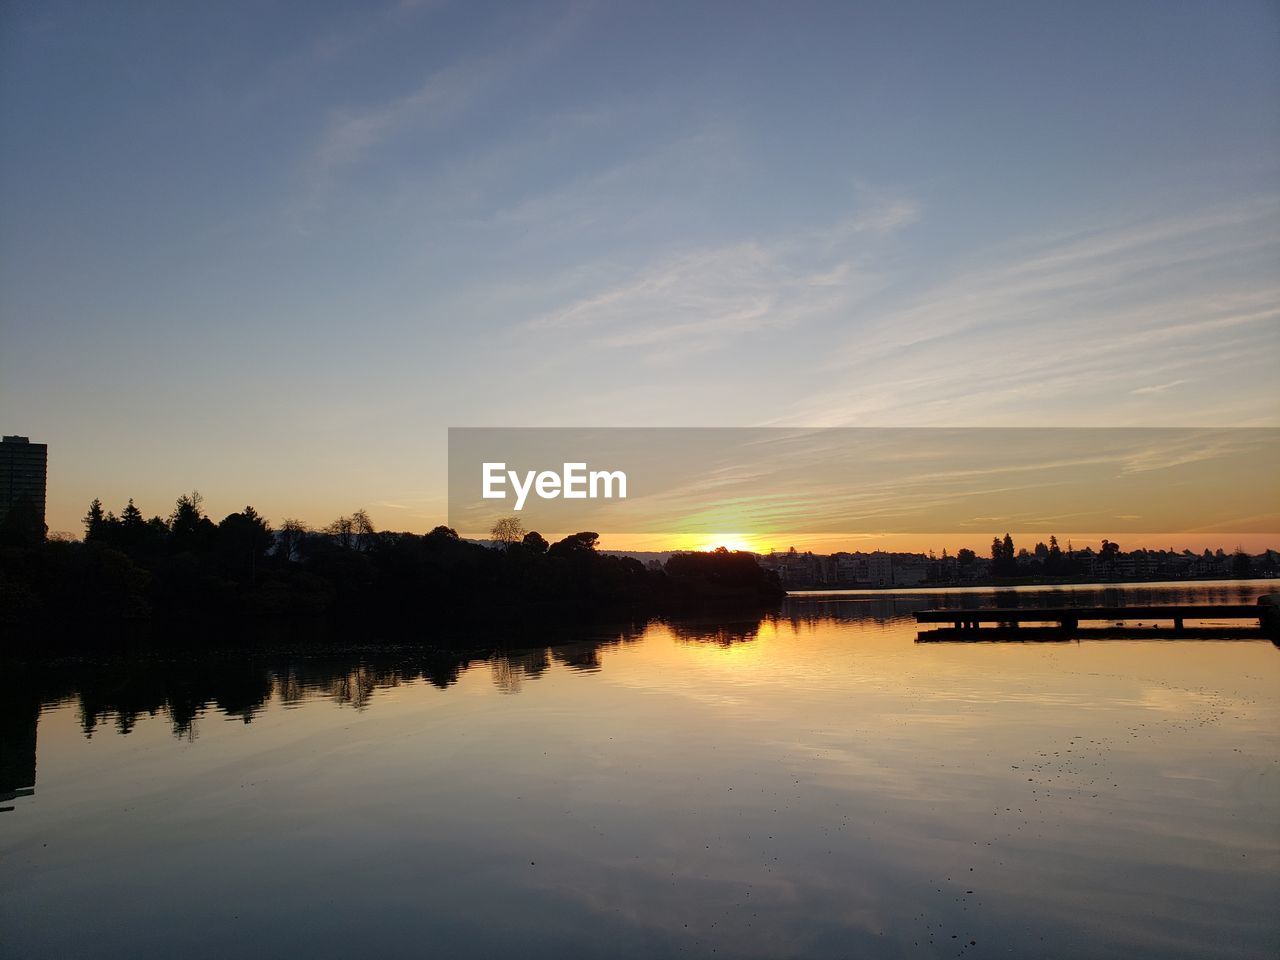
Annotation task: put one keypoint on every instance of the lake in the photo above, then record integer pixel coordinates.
(812, 783)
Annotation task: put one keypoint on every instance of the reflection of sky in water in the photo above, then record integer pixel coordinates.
(816, 784)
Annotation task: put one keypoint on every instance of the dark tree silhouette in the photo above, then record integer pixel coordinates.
(189, 529)
(575, 543)
(291, 540)
(131, 568)
(22, 526)
(507, 530)
(1003, 558)
(1241, 564)
(534, 543)
(1053, 562)
(95, 521)
(243, 541)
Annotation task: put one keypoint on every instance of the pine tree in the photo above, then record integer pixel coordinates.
(131, 516)
(95, 521)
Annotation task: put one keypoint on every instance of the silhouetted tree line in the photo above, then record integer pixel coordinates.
(1047, 560)
(1050, 561)
(132, 568)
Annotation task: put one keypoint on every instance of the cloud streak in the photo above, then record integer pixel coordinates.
(1063, 329)
(1158, 387)
(354, 133)
(699, 299)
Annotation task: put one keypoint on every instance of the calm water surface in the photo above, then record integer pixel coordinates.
(815, 784)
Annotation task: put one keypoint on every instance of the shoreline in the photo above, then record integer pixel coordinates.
(1024, 585)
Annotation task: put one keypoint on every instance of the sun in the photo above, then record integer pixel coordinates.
(730, 541)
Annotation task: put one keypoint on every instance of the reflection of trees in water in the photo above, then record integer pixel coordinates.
(19, 715)
(721, 632)
(124, 691)
(864, 608)
(510, 669)
(120, 691)
(356, 686)
(585, 656)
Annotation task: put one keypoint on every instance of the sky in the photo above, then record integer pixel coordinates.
(272, 251)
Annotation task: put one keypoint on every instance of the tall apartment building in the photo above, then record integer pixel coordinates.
(23, 468)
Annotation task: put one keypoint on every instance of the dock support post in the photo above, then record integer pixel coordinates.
(1177, 624)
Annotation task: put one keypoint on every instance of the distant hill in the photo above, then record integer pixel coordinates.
(644, 556)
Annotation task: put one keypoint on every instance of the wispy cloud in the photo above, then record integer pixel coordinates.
(1085, 272)
(1158, 387)
(646, 181)
(697, 299)
(373, 24)
(354, 132)
(1060, 328)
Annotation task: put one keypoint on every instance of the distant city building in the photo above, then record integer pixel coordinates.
(23, 470)
(806, 570)
(880, 569)
(911, 572)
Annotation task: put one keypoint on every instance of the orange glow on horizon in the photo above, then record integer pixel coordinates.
(1253, 543)
(730, 541)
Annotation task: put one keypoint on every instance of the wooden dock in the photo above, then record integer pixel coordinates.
(1070, 618)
